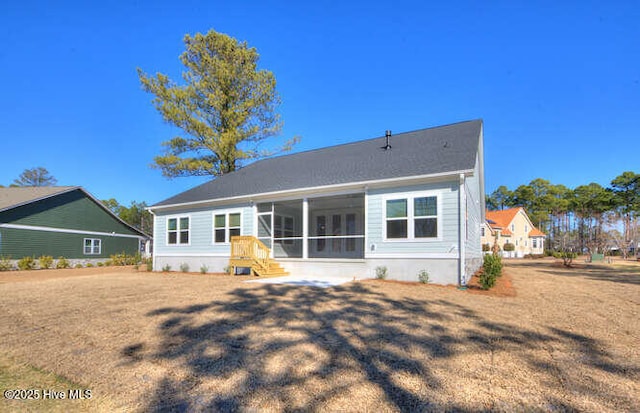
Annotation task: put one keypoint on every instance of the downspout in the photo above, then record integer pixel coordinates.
(462, 202)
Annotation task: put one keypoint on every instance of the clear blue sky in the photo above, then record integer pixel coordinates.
(557, 84)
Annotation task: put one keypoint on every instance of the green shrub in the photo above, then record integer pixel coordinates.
(149, 265)
(166, 268)
(381, 272)
(45, 261)
(62, 263)
(89, 265)
(184, 267)
(27, 263)
(227, 270)
(491, 269)
(203, 269)
(78, 265)
(6, 264)
(100, 264)
(508, 247)
(423, 276)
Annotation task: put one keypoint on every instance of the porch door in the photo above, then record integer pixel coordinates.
(337, 227)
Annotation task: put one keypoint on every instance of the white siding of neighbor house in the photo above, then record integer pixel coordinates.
(445, 247)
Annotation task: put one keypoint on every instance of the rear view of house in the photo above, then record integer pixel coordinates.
(61, 221)
(407, 202)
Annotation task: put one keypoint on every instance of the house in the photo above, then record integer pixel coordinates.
(512, 226)
(408, 202)
(63, 221)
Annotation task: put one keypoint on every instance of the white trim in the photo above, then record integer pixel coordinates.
(409, 197)
(69, 231)
(166, 230)
(305, 228)
(462, 228)
(191, 254)
(297, 192)
(410, 255)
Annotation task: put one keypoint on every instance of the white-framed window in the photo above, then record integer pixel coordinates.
(412, 217)
(513, 228)
(482, 231)
(178, 229)
(526, 229)
(534, 243)
(226, 225)
(92, 246)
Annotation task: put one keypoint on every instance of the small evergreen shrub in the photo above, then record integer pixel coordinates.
(6, 264)
(381, 272)
(27, 263)
(203, 269)
(508, 247)
(45, 262)
(100, 264)
(62, 263)
(78, 265)
(166, 268)
(227, 270)
(89, 265)
(149, 265)
(491, 269)
(423, 276)
(184, 267)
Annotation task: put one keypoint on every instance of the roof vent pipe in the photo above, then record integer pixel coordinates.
(387, 135)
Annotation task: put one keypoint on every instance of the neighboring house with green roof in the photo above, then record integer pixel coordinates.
(408, 202)
(62, 221)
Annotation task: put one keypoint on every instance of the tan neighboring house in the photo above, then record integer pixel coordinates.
(512, 226)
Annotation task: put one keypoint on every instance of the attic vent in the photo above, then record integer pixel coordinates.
(387, 135)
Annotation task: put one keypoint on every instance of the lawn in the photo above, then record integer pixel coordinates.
(567, 340)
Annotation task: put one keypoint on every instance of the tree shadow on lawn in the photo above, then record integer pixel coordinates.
(289, 348)
(597, 272)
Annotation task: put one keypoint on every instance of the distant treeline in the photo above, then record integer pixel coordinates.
(588, 218)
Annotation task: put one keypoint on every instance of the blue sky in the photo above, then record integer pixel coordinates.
(557, 84)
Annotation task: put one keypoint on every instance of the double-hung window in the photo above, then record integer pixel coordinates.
(178, 231)
(225, 226)
(411, 218)
(92, 246)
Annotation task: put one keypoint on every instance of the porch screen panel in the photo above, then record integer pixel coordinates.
(336, 227)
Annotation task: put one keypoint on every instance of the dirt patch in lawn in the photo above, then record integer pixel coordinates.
(185, 342)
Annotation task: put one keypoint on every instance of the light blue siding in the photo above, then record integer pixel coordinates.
(474, 204)
(200, 230)
(448, 220)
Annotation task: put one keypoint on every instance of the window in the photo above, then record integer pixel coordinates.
(526, 229)
(92, 246)
(225, 226)
(534, 243)
(482, 231)
(513, 228)
(178, 231)
(412, 218)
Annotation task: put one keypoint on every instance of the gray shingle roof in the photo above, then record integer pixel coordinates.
(437, 150)
(16, 196)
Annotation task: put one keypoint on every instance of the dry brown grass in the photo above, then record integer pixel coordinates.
(567, 341)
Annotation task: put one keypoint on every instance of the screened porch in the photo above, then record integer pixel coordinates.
(324, 227)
